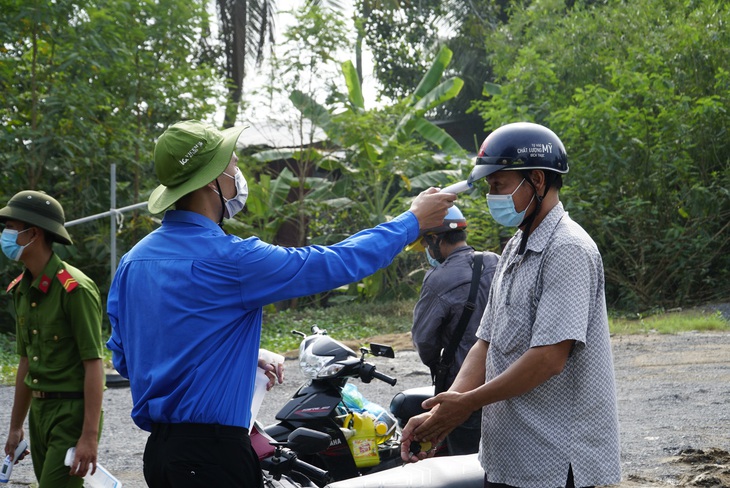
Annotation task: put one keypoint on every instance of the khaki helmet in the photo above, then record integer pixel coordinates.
(38, 209)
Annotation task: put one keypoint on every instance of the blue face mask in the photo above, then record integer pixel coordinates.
(10, 247)
(502, 208)
(431, 260)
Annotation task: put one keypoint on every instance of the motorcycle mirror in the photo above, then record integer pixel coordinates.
(308, 441)
(381, 350)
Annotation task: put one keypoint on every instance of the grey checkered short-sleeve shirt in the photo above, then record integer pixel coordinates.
(552, 293)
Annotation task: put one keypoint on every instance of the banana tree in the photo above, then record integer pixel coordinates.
(286, 198)
(384, 154)
(385, 149)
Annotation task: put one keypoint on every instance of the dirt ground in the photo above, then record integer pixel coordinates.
(673, 394)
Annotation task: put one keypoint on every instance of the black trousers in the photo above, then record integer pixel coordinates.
(200, 456)
(568, 483)
(465, 438)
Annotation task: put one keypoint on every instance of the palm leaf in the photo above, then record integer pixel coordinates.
(435, 97)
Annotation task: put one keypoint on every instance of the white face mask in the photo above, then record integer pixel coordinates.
(236, 204)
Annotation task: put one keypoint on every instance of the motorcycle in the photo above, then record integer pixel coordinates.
(280, 461)
(361, 442)
(283, 469)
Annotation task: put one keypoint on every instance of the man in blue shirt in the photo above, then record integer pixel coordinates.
(186, 306)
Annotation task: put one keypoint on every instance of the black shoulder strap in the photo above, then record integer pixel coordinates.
(448, 353)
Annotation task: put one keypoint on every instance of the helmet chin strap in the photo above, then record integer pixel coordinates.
(435, 242)
(223, 203)
(531, 218)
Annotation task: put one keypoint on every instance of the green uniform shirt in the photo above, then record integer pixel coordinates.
(58, 319)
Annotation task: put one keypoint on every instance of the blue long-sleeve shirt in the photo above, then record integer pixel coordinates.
(186, 304)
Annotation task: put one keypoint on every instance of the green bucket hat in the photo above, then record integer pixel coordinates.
(188, 156)
(38, 209)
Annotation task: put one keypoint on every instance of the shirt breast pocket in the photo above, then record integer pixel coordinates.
(512, 338)
(56, 345)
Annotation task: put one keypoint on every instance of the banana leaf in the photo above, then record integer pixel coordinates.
(435, 178)
(311, 109)
(354, 89)
(434, 74)
(437, 135)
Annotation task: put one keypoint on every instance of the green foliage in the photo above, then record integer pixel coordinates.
(266, 207)
(670, 323)
(404, 35)
(401, 36)
(351, 321)
(291, 186)
(383, 152)
(8, 359)
(639, 97)
(84, 85)
(362, 175)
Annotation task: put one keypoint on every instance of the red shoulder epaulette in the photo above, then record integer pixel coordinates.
(67, 281)
(14, 282)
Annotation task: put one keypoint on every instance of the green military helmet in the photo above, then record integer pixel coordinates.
(38, 209)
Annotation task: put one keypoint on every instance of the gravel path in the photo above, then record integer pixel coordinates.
(674, 409)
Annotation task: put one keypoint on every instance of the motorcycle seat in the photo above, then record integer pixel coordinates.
(442, 472)
(407, 403)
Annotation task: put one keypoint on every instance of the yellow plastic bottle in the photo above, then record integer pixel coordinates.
(363, 444)
(381, 432)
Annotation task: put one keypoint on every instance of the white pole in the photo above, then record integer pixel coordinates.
(113, 220)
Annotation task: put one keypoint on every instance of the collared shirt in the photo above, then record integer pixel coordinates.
(58, 325)
(553, 293)
(444, 293)
(186, 307)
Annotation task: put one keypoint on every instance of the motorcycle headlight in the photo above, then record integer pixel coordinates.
(311, 364)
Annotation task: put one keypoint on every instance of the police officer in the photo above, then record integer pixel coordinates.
(60, 378)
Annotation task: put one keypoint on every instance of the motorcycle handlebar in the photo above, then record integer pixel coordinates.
(319, 476)
(384, 377)
(367, 373)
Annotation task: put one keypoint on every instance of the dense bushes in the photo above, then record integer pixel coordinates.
(639, 93)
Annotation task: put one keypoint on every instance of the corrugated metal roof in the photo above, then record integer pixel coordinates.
(277, 135)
